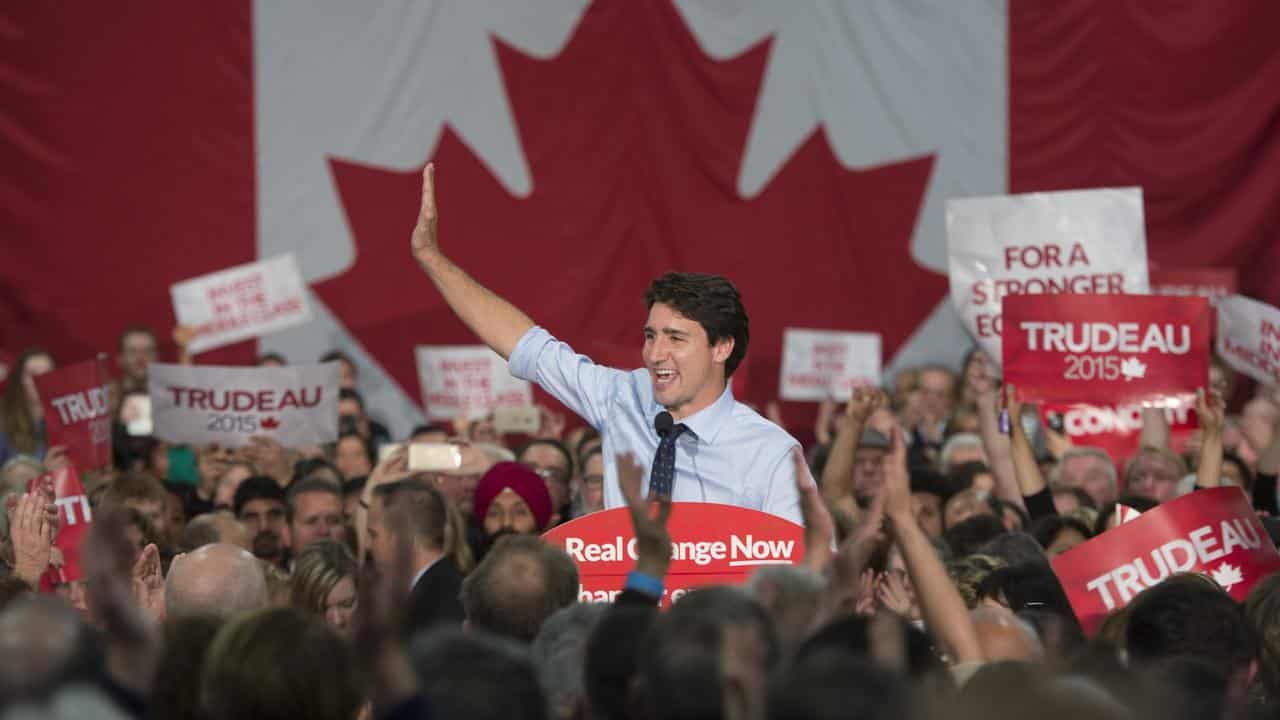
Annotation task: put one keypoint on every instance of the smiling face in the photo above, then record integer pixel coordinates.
(687, 371)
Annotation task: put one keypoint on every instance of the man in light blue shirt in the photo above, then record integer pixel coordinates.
(695, 337)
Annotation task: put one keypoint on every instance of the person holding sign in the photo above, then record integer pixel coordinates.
(678, 410)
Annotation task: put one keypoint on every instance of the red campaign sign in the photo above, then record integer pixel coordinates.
(1116, 428)
(1211, 283)
(712, 544)
(74, 518)
(1214, 532)
(1105, 349)
(77, 411)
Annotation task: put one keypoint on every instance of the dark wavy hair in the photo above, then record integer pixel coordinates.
(710, 300)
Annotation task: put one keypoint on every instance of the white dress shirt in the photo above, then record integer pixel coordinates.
(730, 454)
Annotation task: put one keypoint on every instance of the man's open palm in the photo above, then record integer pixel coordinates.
(424, 233)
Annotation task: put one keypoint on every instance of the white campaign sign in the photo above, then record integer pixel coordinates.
(1080, 241)
(1249, 337)
(242, 302)
(822, 364)
(206, 404)
(467, 381)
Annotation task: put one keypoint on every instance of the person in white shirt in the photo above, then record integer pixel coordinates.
(694, 338)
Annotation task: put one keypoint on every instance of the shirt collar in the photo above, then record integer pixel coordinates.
(706, 423)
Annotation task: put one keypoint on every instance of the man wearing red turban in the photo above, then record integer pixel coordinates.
(511, 499)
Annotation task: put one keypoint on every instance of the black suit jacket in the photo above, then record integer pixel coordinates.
(435, 598)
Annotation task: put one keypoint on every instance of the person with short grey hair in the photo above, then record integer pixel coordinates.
(17, 471)
(46, 648)
(960, 449)
(1089, 469)
(559, 654)
(790, 594)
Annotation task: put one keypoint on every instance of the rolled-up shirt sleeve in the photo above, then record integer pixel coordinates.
(584, 387)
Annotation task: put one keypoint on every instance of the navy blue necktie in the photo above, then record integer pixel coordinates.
(662, 477)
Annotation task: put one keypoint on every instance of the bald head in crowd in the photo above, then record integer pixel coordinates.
(218, 579)
(1005, 636)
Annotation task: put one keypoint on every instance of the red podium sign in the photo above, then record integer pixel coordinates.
(1214, 532)
(712, 544)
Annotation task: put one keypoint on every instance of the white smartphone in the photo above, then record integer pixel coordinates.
(136, 415)
(517, 419)
(434, 457)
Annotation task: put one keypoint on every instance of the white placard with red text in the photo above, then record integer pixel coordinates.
(1214, 532)
(242, 302)
(467, 381)
(822, 364)
(1249, 337)
(205, 404)
(1080, 241)
(1103, 349)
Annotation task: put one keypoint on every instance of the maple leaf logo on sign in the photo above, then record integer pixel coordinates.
(1133, 368)
(1227, 575)
(270, 423)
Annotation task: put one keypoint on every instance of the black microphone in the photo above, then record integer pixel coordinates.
(663, 423)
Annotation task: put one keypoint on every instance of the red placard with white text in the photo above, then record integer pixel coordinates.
(1116, 428)
(1214, 532)
(74, 518)
(1099, 349)
(77, 411)
(712, 544)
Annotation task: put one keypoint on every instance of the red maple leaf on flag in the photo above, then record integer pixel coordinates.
(634, 138)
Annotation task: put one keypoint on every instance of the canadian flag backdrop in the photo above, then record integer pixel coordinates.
(805, 150)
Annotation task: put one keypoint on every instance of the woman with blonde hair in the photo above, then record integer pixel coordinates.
(324, 583)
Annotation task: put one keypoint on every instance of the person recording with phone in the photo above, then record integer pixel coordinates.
(678, 413)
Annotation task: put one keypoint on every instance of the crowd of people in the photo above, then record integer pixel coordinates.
(333, 582)
(336, 582)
